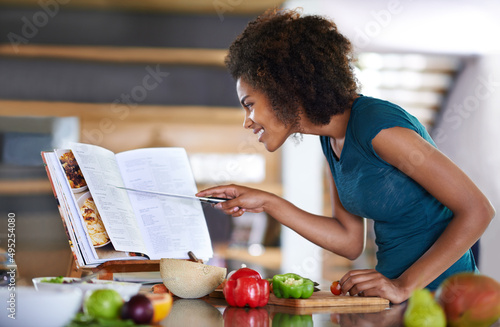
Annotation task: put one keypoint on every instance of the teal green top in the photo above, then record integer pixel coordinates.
(407, 219)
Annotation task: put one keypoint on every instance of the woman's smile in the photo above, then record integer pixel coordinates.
(259, 133)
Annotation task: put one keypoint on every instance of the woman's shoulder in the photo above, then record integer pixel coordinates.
(370, 115)
(365, 105)
(373, 111)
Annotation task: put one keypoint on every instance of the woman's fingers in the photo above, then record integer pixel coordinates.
(240, 199)
(223, 191)
(218, 191)
(351, 281)
(369, 282)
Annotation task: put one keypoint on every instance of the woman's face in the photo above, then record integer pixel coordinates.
(260, 117)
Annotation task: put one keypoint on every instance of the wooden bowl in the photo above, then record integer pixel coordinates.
(190, 280)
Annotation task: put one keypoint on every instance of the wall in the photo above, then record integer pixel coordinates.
(302, 185)
(468, 133)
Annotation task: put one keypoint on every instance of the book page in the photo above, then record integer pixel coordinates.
(101, 173)
(171, 226)
(55, 177)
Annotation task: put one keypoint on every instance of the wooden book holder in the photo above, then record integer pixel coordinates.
(107, 269)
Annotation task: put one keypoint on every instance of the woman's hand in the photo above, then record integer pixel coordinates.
(240, 199)
(369, 282)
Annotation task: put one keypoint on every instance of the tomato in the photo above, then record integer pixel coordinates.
(335, 288)
(160, 289)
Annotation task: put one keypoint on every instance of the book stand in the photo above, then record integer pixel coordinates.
(107, 269)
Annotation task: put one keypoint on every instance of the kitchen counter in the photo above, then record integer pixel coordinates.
(211, 311)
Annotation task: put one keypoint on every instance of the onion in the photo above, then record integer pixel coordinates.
(139, 308)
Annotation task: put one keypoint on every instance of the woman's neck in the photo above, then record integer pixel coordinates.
(335, 129)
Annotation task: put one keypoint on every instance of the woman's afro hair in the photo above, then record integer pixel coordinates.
(298, 62)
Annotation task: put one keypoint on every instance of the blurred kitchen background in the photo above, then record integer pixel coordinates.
(132, 74)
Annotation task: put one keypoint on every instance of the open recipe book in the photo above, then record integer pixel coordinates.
(104, 222)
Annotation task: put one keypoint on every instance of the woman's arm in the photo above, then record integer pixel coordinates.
(472, 212)
(343, 235)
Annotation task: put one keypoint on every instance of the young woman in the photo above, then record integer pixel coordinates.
(294, 75)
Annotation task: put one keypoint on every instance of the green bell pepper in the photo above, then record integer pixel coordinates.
(292, 285)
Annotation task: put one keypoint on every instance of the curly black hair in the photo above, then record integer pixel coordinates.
(296, 61)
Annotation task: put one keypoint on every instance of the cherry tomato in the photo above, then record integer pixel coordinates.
(335, 288)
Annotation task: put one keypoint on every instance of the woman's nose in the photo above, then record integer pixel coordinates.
(247, 122)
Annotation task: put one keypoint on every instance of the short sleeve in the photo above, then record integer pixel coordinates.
(375, 115)
(327, 150)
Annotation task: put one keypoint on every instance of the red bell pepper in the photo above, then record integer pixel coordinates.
(244, 272)
(246, 288)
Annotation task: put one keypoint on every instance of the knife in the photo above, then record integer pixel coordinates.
(202, 199)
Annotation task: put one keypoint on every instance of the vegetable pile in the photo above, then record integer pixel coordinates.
(245, 287)
(105, 307)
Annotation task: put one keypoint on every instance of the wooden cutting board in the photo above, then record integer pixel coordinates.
(327, 299)
(320, 299)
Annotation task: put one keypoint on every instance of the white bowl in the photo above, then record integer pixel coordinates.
(51, 308)
(125, 289)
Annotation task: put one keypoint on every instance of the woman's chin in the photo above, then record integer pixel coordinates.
(271, 147)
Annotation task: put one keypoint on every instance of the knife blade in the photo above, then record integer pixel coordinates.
(202, 199)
